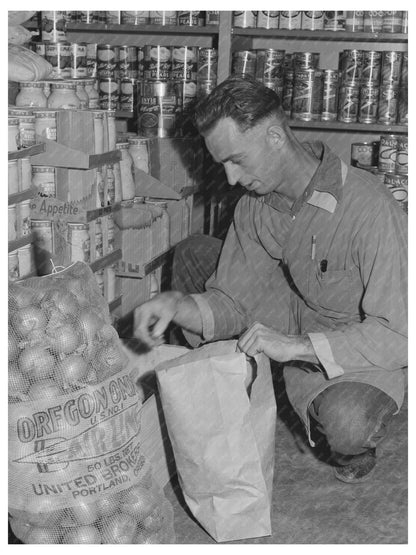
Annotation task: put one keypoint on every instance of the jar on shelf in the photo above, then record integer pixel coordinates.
(138, 149)
(31, 94)
(25, 174)
(79, 242)
(99, 253)
(43, 179)
(13, 177)
(45, 124)
(164, 224)
(13, 134)
(23, 218)
(93, 96)
(64, 96)
(27, 131)
(13, 266)
(81, 93)
(126, 171)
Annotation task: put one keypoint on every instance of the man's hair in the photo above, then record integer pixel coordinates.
(243, 99)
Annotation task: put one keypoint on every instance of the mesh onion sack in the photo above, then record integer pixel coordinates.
(77, 473)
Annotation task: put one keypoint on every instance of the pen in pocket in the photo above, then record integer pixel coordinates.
(313, 247)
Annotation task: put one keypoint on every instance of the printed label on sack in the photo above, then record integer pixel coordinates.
(78, 446)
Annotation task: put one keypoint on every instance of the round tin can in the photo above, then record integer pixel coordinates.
(269, 64)
(25, 174)
(305, 60)
(13, 134)
(268, 20)
(140, 62)
(373, 21)
(92, 59)
(109, 93)
(43, 234)
(392, 22)
(354, 21)
(107, 61)
(163, 18)
(212, 18)
(13, 263)
(307, 95)
(110, 233)
(191, 19)
(405, 70)
(330, 83)
(184, 63)
(13, 177)
(388, 104)
(23, 218)
(405, 22)
(58, 54)
(78, 239)
(398, 186)
(157, 112)
(135, 18)
(99, 278)
(27, 131)
(348, 103)
(45, 124)
(387, 153)
(351, 65)
(40, 49)
(244, 63)
(43, 178)
(364, 153)
(78, 60)
(207, 63)
(128, 62)
(367, 110)
(99, 250)
(403, 117)
(53, 26)
(157, 62)
(290, 20)
(244, 19)
(276, 85)
(371, 66)
(12, 223)
(128, 94)
(334, 21)
(25, 258)
(205, 87)
(314, 21)
(391, 65)
(113, 17)
(287, 94)
(402, 155)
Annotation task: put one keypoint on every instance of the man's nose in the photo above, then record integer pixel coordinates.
(232, 173)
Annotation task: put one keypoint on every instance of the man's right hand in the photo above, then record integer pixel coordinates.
(153, 317)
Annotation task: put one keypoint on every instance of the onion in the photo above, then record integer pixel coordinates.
(109, 360)
(107, 506)
(20, 528)
(13, 347)
(36, 362)
(28, 319)
(44, 389)
(64, 339)
(71, 370)
(144, 538)
(40, 534)
(153, 522)
(138, 501)
(41, 512)
(74, 286)
(81, 514)
(89, 324)
(119, 529)
(18, 384)
(107, 333)
(82, 534)
(22, 296)
(60, 300)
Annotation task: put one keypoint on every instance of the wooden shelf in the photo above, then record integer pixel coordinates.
(348, 127)
(105, 261)
(302, 34)
(114, 303)
(143, 29)
(22, 195)
(26, 152)
(61, 156)
(19, 243)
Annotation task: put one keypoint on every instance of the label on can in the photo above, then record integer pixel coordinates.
(373, 21)
(403, 117)
(128, 62)
(307, 95)
(59, 56)
(109, 93)
(207, 63)
(387, 153)
(78, 60)
(392, 21)
(268, 20)
(244, 19)
(313, 21)
(53, 26)
(78, 242)
(91, 59)
(43, 178)
(364, 153)
(354, 21)
(135, 18)
(367, 111)
(43, 234)
(244, 62)
(388, 104)
(269, 64)
(27, 135)
(157, 62)
(290, 20)
(190, 18)
(334, 21)
(157, 116)
(184, 63)
(391, 64)
(107, 60)
(163, 18)
(205, 87)
(128, 92)
(402, 162)
(212, 18)
(398, 186)
(305, 60)
(348, 104)
(351, 66)
(371, 66)
(330, 95)
(13, 177)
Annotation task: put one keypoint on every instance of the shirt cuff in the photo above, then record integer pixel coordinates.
(323, 351)
(207, 316)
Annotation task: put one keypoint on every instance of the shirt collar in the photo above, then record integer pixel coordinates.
(324, 189)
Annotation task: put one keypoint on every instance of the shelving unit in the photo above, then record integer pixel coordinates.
(26, 152)
(21, 242)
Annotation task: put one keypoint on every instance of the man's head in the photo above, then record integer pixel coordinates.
(245, 129)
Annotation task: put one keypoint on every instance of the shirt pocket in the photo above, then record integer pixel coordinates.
(333, 290)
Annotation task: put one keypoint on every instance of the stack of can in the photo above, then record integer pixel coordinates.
(307, 87)
(206, 77)
(391, 79)
(393, 166)
(270, 69)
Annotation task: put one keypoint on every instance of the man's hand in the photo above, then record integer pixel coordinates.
(277, 346)
(153, 317)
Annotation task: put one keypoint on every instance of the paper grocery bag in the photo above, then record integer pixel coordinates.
(222, 436)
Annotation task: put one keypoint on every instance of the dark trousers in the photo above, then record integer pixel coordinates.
(351, 416)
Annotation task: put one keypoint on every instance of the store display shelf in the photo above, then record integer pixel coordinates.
(105, 261)
(127, 269)
(60, 211)
(302, 34)
(115, 303)
(21, 242)
(348, 127)
(26, 152)
(143, 29)
(27, 194)
(61, 156)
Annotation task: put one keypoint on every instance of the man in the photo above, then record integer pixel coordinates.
(313, 273)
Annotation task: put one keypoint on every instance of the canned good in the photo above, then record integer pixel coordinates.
(364, 154)
(163, 18)
(403, 117)
(78, 239)
(268, 20)
(135, 18)
(26, 262)
(79, 60)
(351, 65)
(405, 22)
(23, 218)
(43, 179)
(107, 61)
(99, 252)
(398, 186)
(184, 63)
(373, 21)
(387, 153)
(207, 64)
(110, 233)
(405, 70)
(288, 91)
(111, 282)
(111, 185)
(109, 93)
(330, 81)
(98, 125)
(290, 20)
(45, 124)
(192, 19)
(244, 62)
(58, 54)
(12, 222)
(305, 60)
(13, 263)
(157, 115)
(140, 62)
(314, 21)
(92, 16)
(25, 174)
(27, 136)
(334, 21)
(128, 62)
(212, 18)
(367, 111)
(276, 85)
(13, 134)
(40, 49)
(157, 62)
(205, 87)
(157, 88)
(348, 103)
(392, 22)
(244, 19)
(402, 162)
(307, 95)
(388, 104)
(92, 59)
(43, 235)
(128, 94)
(99, 278)
(391, 65)
(269, 64)
(371, 66)
(113, 17)
(13, 177)
(53, 26)
(354, 21)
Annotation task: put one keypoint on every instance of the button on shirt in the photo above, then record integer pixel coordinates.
(347, 291)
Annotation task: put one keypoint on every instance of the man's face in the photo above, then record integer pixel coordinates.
(248, 157)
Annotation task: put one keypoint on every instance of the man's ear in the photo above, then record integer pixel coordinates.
(275, 136)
